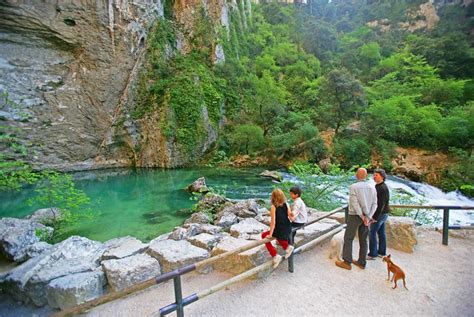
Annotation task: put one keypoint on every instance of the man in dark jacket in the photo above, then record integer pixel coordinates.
(380, 216)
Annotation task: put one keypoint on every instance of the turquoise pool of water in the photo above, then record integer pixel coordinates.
(143, 203)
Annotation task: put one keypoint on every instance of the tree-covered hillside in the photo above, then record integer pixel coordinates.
(377, 75)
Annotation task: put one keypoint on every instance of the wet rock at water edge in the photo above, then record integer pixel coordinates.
(198, 186)
(274, 175)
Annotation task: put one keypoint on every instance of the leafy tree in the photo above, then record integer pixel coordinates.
(344, 94)
(247, 138)
(353, 151)
(296, 134)
(266, 102)
(58, 190)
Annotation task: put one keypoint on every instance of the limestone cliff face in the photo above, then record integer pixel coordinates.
(67, 67)
(68, 74)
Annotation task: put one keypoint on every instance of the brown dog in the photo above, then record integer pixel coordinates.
(397, 272)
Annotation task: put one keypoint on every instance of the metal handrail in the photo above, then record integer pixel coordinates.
(446, 210)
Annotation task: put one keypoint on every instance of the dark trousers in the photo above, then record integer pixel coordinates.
(293, 234)
(355, 224)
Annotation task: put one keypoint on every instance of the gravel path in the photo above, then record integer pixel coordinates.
(439, 279)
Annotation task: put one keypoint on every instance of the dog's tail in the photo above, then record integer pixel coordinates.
(404, 285)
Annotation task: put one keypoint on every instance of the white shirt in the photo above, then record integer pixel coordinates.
(299, 210)
(362, 199)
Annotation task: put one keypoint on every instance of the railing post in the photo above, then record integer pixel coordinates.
(445, 226)
(290, 259)
(178, 295)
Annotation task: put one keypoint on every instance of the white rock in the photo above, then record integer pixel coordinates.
(175, 254)
(205, 240)
(16, 235)
(123, 273)
(73, 255)
(226, 220)
(314, 230)
(122, 247)
(238, 263)
(247, 227)
(75, 289)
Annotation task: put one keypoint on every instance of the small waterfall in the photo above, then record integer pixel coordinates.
(405, 192)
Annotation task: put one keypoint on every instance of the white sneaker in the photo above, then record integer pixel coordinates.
(288, 251)
(277, 260)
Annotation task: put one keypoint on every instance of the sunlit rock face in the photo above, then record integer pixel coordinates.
(66, 69)
(70, 71)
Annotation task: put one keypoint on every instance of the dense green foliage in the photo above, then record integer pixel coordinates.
(291, 71)
(318, 187)
(58, 191)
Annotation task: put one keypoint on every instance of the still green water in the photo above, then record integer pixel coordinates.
(142, 203)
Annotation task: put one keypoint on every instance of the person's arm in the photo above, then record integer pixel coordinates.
(272, 221)
(354, 202)
(374, 205)
(296, 209)
(291, 216)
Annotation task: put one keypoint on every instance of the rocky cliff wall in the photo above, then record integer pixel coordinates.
(69, 73)
(66, 66)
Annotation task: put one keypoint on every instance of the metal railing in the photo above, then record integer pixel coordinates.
(446, 210)
(332, 212)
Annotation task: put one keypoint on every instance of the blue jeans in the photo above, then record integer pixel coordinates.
(378, 228)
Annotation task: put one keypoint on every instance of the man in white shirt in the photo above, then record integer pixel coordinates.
(298, 210)
(362, 206)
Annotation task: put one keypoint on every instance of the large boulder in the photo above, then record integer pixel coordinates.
(401, 233)
(244, 209)
(16, 235)
(274, 175)
(198, 186)
(238, 263)
(122, 247)
(263, 219)
(225, 220)
(46, 216)
(247, 227)
(211, 203)
(27, 282)
(192, 229)
(175, 254)
(72, 290)
(123, 273)
(198, 217)
(205, 240)
(37, 249)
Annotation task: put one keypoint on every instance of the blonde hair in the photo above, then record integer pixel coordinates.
(278, 197)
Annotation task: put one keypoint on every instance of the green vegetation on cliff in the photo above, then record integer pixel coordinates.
(291, 71)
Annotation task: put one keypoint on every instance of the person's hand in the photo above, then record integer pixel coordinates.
(365, 220)
(371, 221)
